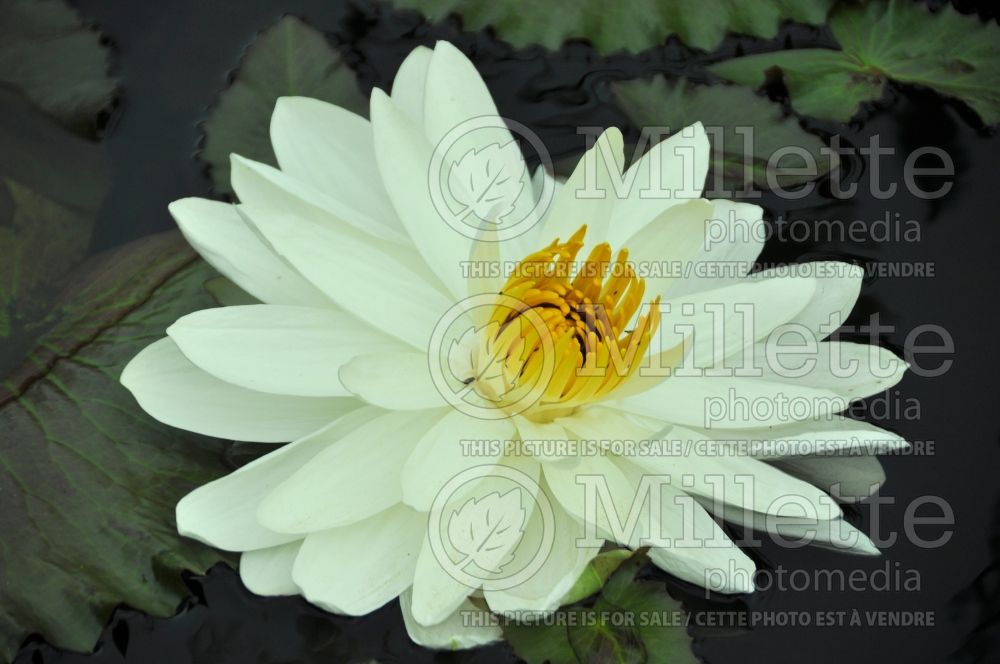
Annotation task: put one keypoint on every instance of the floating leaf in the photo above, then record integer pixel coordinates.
(631, 26)
(630, 622)
(55, 60)
(289, 59)
(52, 183)
(750, 135)
(902, 40)
(88, 481)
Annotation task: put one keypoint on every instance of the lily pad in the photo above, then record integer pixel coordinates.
(752, 138)
(630, 26)
(899, 40)
(630, 622)
(52, 183)
(89, 482)
(56, 60)
(289, 59)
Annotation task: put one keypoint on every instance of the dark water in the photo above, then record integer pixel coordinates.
(173, 58)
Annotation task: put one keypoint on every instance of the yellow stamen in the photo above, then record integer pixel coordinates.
(579, 313)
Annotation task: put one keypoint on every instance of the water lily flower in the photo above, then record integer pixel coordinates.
(392, 358)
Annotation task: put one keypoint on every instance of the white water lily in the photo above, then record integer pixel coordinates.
(347, 251)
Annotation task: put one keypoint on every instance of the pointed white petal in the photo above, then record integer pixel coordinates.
(269, 571)
(384, 284)
(467, 627)
(224, 239)
(589, 195)
(847, 478)
(410, 83)
(170, 388)
(837, 288)
(356, 476)
(404, 159)
(331, 149)
(671, 172)
(278, 349)
(223, 513)
(358, 568)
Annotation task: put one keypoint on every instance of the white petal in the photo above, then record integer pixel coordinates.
(733, 240)
(384, 284)
(224, 239)
(173, 390)
(223, 513)
(453, 445)
(278, 349)
(358, 568)
(564, 563)
(668, 243)
(460, 116)
(671, 172)
(589, 195)
(837, 288)
(269, 571)
(331, 149)
(847, 478)
(853, 371)
(410, 83)
(356, 476)
(392, 380)
(467, 627)
(263, 186)
(404, 159)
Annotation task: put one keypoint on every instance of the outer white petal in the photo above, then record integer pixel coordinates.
(667, 244)
(733, 240)
(847, 478)
(261, 185)
(454, 444)
(384, 284)
(851, 370)
(278, 349)
(411, 82)
(837, 288)
(356, 476)
(173, 390)
(394, 380)
(224, 239)
(223, 513)
(677, 167)
(404, 159)
(563, 565)
(358, 568)
(589, 195)
(467, 627)
(331, 149)
(269, 571)
(436, 591)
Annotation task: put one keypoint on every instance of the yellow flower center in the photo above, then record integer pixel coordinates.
(578, 313)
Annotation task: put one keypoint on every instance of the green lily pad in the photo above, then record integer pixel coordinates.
(630, 26)
(58, 62)
(52, 183)
(772, 153)
(596, 574)
(89, 481)
(289, 59)
(630, 622)
(899, 40)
